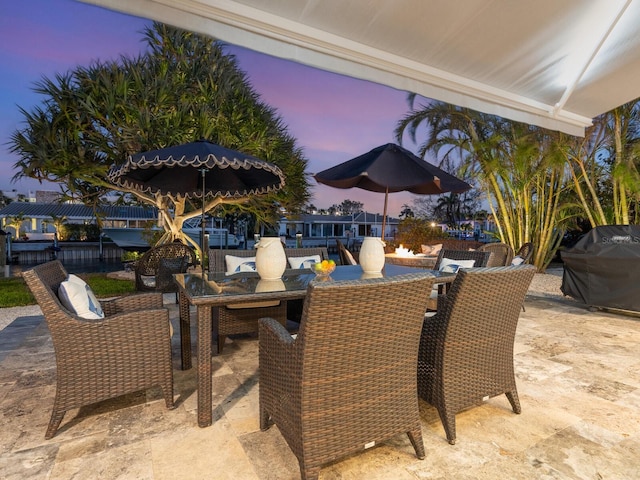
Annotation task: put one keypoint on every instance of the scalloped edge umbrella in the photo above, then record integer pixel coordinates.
(391, 168)
(197, 170)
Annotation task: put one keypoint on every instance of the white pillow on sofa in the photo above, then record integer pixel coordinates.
(304, 262)
(239, 264)
(449, 265)
(77, 296)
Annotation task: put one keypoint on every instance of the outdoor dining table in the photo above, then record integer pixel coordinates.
(207, 290)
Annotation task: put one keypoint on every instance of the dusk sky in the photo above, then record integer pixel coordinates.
(333, 117)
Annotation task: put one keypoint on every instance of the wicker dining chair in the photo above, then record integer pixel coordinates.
(525, 252)
(480, 260)
(294, 307)
(348, 380)
(240, 318)
(501, 254)
(128, 351)
(466, 349)
(346, 257)
(154, 270)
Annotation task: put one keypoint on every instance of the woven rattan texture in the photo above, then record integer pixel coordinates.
(501, 254)
(128, 351)
(227, 321)
(525, 252)
(149, 265)
(466, 349)
(481, 259)
(348, 379)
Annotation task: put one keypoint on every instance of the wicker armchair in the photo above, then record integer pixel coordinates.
(154, 271)
(241, 318)
(480, 258)
(128, 351)
(466, 349)
(346, 257)
(348, 379)
(501, 254)
(525, 252)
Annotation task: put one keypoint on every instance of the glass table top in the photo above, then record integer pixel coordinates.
(293, 282)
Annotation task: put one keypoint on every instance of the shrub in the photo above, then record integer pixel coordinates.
(414, 232)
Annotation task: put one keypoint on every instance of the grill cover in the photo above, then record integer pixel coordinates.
(603, 268)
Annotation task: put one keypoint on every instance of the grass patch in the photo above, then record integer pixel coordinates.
(15, 292)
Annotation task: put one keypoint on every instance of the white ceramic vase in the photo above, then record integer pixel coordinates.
(372, 255)
(271, 260)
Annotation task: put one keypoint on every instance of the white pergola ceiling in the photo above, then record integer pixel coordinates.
(553, 63)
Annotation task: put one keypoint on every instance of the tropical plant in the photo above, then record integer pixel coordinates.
(58, 222)
(182, 89)
(15, 222)
(604, 167)
(517, 167)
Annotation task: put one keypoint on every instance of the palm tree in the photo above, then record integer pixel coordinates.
(15, 222)
(517, 167)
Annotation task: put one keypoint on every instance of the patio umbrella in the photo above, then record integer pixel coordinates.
(391, 168)
(198, 170)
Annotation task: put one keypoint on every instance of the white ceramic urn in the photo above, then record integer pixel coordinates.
(372, 255)
(271, 261)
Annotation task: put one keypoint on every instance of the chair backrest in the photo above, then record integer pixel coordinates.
(359, 337)
(217, 256)
(218, 264)
(307, 252)
(477, 318)
(149, 262)
(525, 252)
(44, 281)
(501, 254)
(346, 257)
(480, 258)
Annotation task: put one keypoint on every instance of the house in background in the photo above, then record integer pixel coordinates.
(38, 223)
(347, 228)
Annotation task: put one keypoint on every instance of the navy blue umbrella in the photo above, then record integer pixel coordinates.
(391, 168)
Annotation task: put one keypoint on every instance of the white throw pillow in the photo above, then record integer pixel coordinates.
(77, 296)
(431, 250)
(517, 260)
(448, 265)
(304, 262)
(239, 264)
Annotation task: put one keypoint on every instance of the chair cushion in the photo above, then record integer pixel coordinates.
(517, 260)
(239, 264)
(449, 265)
(304, 262)
(77, 296)
(431, 250)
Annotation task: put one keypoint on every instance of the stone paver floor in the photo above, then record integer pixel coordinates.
(578, 376)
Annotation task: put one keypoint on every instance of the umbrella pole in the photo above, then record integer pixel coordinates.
(202, 224)
(384, 213)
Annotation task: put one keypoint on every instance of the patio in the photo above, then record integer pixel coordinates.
(578, 378)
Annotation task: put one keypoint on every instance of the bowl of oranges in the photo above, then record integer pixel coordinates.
(324, 268)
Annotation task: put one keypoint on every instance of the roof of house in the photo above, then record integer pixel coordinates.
(72, 210)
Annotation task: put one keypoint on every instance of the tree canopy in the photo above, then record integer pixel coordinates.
(184, 88)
